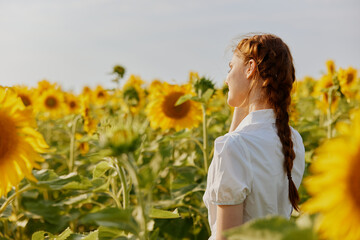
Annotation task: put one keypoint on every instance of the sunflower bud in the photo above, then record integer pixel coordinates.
(119, 70)
(131, 96)
(121, 140)
(202, 85)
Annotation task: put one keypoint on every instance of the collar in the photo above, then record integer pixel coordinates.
(256, 117)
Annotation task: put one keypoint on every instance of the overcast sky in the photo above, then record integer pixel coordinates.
(77, 43)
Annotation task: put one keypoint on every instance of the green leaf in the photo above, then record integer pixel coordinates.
(50, 180)
(74, 200)
(47, 210)
(92, 236)
(176, 136)
(41, 235)
(8, 210)
(270, 228)
(99, 185)
(183, 99)
(101, 168)
(83, 184)
(44, 174)
(155, 234)
(207, 95)
(186, 180)
(107, 233)
(113, 218)
(158, 213)
(64, 235)
(57, 183)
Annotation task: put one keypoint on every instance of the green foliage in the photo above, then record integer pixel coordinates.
(271, 228)
(67, 234)
(121, 219)
(161, 214)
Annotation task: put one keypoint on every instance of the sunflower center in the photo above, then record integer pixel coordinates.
(72, 104)
(8, 136)
(176, 112)
(354, 181)
(350, 78)
(51, 102)
(326, 98)
(328, 84)
(25, 99)
(131, 96)
(100, 94)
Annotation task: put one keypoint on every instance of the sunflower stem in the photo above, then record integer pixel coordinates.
(121, 173)
(72, 144)
(197, 142)
(48, 131)
(173, 150)
(131, 166)
(118, 204)
(12, 197)
(206, 160)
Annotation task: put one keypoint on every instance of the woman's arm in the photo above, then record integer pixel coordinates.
(238, 115)
(228, 216)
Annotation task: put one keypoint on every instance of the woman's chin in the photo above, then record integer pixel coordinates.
(234, 103)
(231, 103)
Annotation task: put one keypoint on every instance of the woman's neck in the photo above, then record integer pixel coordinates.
(258, 105)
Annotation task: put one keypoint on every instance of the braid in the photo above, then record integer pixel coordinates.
(275, 67)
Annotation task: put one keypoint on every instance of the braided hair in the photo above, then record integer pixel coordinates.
(275, 68)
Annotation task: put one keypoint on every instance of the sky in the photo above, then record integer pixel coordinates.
(77, 43)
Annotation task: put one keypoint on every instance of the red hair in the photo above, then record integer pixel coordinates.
(276, 69)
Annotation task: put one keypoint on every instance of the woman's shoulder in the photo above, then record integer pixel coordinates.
(230, 143)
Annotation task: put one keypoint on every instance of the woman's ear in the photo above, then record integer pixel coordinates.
(250, 72)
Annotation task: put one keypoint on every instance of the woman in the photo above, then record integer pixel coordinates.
(258, 166)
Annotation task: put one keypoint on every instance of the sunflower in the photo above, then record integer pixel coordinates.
(100, 95)
(25, 94)
(115, 102)
(321, 93)
(86, 91)
(134, 80)
(335, 185)
(45, 85)
(20, 143)
(163, 113)
(83, 146)
(134, 97)
(51, 103)
(293, 111)
(330, 66)
(155, 85)
(72, 103)
(193, 77)
(347, 80)
(305, 87)
(90, 124)
(133, 94)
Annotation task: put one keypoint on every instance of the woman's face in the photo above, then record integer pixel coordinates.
(238, 82)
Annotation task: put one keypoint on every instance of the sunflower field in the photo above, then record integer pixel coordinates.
(131, 162)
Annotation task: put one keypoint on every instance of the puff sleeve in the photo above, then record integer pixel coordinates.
(230, 173)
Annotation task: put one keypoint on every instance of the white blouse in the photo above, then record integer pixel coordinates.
(247, 167)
